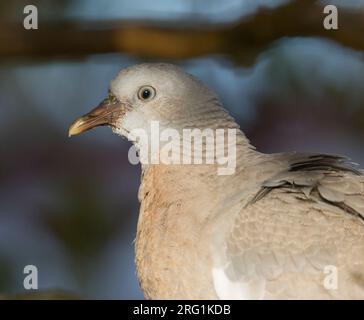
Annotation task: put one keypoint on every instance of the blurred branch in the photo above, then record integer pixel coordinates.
(241, 41)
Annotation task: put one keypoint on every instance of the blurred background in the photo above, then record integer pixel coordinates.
(69, 206)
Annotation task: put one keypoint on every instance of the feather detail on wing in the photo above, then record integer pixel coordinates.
(303, 220)
(329, 178)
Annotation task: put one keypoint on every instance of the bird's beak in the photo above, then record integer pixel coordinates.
(106, 113)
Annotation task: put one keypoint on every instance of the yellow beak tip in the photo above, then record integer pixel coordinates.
(75, 127)
(71, 132)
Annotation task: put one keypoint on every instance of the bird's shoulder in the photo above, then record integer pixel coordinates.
(317, 179)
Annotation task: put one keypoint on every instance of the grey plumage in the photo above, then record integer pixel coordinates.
(319, 175)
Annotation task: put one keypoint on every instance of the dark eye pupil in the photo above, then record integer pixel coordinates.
(146, 94)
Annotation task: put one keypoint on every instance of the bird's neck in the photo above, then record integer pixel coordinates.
(205, 140)
(169, 181)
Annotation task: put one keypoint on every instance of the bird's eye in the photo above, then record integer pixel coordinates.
(146, 93)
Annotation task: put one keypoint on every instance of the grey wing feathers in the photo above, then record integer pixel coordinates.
(307, 216)
(320, 177)
(312, 161)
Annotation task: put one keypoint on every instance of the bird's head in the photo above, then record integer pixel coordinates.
(146, 92)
